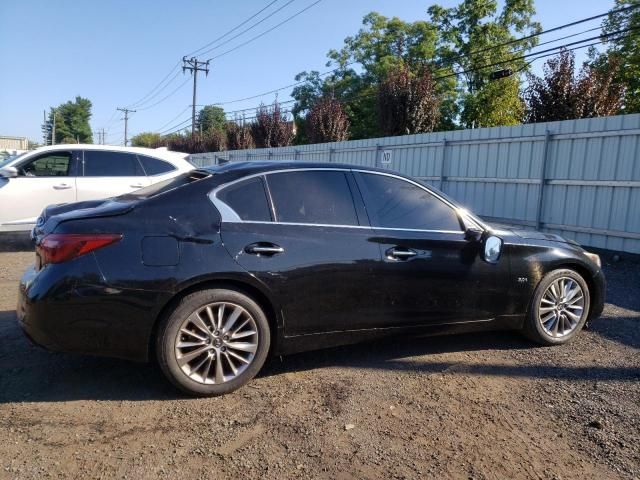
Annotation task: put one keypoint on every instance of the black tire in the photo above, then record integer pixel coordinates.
(168, 334)
(533, 328)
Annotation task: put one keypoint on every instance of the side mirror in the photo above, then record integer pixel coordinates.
(9, 172)
(492, 249)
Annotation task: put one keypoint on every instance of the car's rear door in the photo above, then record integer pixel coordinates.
(305, 235)
(49, 178)
(429, 273)
(109, 173)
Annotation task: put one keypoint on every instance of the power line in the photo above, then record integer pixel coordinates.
(174, 118)
(215, 47)
(550, 30)
(176, 127)
(197, 52)
(145, 98)
(252, 39)
(173, 92)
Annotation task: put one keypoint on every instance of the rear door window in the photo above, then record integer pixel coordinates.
(247, 199)
(100, 163)
(313, 197)
(154, 166)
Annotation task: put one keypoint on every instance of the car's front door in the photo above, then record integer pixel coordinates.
(49, 178)
(302, 234)
(108, 174)
(429, 273)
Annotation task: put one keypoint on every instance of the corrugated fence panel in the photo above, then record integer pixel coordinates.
(577, 178)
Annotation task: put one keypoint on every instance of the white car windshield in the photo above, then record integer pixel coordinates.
(7, 160)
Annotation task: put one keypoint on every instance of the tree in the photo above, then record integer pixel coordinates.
(148, 140)
(271, 127)
(497, 103)
(211, 117)
(239, 135)
(72, 122)
(560, 95)
(468, 38)
(383, 45)
(210, 141)
(327, 121)
(408, 102)
(624, 51)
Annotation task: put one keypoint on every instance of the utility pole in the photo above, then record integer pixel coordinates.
(101, 136)
(53, 130)
(194, 66)
(126, 121)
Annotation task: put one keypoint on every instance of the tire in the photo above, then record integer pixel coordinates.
(182, 344)
(545, 323)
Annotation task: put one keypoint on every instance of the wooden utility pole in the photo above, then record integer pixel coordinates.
(194, 66)
(126, 122)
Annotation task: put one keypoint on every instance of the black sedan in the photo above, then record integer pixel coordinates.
(214, 270)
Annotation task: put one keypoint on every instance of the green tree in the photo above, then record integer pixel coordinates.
(467, 40)
(382, 45)
(72, 122)
(211, 117)
(147, 139)
(623, 51)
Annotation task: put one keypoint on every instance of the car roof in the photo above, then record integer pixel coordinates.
(252, 167)
(157, 152)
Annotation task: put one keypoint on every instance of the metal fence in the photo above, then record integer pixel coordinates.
(577, 178)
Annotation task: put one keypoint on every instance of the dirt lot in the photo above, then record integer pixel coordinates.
(471, 406)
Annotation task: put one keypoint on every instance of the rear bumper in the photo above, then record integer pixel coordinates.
(60, 312)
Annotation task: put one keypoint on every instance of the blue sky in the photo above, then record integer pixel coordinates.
(115, 52)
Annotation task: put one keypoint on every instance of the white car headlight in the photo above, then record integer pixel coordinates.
(594, 258)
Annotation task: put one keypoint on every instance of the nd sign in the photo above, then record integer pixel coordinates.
(385, 157)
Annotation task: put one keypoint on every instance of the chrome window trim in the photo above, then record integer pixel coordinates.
(233, 217)
(328, 225)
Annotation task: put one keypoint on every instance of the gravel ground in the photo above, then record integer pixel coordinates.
(470, 406)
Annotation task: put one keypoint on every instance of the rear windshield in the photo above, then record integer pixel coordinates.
(167, 185)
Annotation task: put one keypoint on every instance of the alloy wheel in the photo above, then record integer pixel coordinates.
(561, 307)
(216, 343)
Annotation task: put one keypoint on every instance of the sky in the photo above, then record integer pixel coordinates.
(115, 52)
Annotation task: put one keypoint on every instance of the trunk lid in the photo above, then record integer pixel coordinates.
(53, 215)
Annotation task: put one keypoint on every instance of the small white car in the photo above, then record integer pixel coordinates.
(74, 173)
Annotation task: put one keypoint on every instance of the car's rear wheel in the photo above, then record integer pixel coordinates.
(559, 309)
(214, 342)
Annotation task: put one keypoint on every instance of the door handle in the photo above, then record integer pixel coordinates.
(62, 186)
(398, 253)
(263, 249)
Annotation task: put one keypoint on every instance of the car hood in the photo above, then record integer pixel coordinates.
(534, 235)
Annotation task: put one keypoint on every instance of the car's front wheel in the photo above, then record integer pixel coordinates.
(559, 308)
(214, 342)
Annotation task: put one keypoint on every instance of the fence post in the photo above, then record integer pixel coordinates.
(270, 154)
(378, 159)
(330, 154)
(543, 174)
(442, 163)
(295, 154)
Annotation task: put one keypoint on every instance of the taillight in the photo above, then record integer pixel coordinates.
(62, 247)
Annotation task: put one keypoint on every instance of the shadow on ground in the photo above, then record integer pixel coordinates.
(28, 373)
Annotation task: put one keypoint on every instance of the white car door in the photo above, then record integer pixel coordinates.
(43, 180)
(108, 174)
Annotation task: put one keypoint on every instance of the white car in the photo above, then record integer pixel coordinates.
(73, 173)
